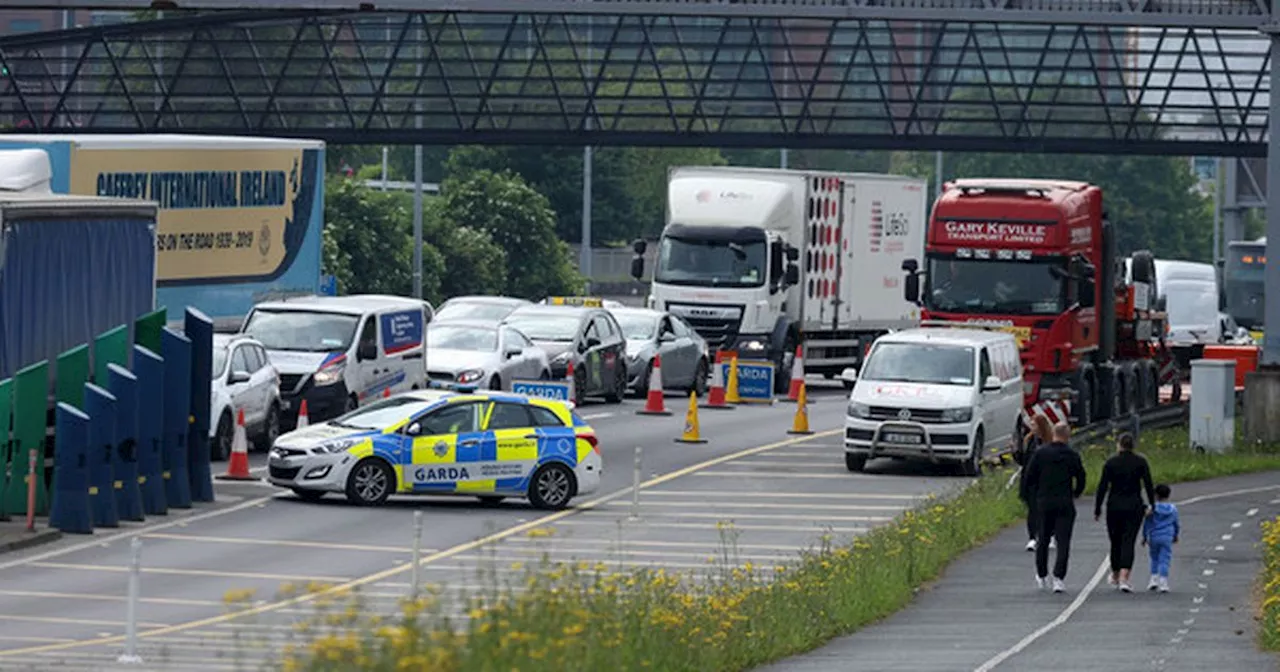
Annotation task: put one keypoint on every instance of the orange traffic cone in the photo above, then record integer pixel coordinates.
(692, 431)
(716, 395)
(801, 423)
(654, 404)
(731, 395)
(573, 387)
(303, 419)
(797, 376)
(238, 465)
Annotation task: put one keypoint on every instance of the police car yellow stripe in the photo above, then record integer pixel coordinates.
(430, 451)
(477, 486)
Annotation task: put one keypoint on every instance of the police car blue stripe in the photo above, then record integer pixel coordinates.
(489, 448)
(472, 452)
(512, 484)
(447, 486)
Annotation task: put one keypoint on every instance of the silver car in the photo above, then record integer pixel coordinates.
(685, 357)
(484, 354)
(477, 308)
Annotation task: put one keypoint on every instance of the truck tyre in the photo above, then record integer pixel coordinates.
(1150, 384)
(1083, 404)
(855, 463)
(1132, 388)
(1143, 267)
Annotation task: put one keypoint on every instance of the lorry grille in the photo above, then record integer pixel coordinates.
(917, 414)
(290, 381)
(716, 332)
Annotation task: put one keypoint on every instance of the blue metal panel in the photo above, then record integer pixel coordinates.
(177, 417)
(150, 371)
(101, 407)
(199, 328)
(69, 511)
(124, 385)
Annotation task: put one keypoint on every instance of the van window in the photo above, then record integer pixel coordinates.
(240, 361)
(369, 334)
(301, 330)
(920, 363)
(1192, 304)
(984, 366)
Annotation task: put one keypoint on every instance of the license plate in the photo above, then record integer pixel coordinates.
(902, 438)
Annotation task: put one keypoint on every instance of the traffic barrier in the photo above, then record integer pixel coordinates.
(124, 386)
(176, 350)
(800, 425)
(147, 328)
(692, 431)
(655, 400)
(797, 376)
(99, 449)
(151, 474)
(70, 511)
(304, 420)
(716, 395)
(238, 465)
(71, 372)
(110, 347)
(573, 384)
(1245, 357)
(6, 413)
(30, 415)
(199, 328)
(731, 388)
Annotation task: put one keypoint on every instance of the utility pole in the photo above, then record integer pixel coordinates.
(417, 170)
(584, 263)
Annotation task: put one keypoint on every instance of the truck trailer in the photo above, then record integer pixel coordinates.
(760, 261)
(1038, 258)
(240, 218)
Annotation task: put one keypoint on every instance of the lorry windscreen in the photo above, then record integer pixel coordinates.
(301, 330)
(991, 286)
(920, 363)
(716, 261)
(1246, 263)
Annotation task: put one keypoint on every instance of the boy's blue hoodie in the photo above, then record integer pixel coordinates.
(1162, 525)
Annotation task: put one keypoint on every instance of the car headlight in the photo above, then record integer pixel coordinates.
(339, 446)
(858, 410)
(957, 415)
(329, 375)
(470, 375)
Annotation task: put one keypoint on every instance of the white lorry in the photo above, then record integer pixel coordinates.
(761, 260)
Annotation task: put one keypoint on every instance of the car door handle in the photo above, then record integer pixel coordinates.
(468, 443)
(531, 436)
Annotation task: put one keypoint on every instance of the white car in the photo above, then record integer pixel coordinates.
(484, 354)
(243, 380)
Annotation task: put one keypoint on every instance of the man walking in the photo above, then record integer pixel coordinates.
(1054, 479)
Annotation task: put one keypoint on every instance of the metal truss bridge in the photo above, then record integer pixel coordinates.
(1086, 76)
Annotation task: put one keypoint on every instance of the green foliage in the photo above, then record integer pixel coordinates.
(473, 262)
(368, 243)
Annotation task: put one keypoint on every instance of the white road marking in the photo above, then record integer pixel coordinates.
(1208, 572)
(1236, 526)
(598, 416)
(1219, 547)
(1251, 512)
(808, 506)
(1197, 600)
(1202, 586)
(1213, 561)
(1189, 621)
(776, 475)
(1227, 537)
(729, 517)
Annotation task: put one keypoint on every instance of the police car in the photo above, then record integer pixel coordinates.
(486, 444)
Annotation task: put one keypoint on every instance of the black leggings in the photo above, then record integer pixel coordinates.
(1122, 527)
(1057, 519)
(1031, 519)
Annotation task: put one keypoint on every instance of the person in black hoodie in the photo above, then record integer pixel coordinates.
(1041, 434)
(1054, 479)
(1124, 478)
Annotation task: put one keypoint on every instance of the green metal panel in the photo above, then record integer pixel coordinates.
(30, 417)
(110, 347)
(146, 330)
(6, 448)
(72, 372)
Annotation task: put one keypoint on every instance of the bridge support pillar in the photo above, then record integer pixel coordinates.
(1262, 387)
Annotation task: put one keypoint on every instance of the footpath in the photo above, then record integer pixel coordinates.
(985, 613)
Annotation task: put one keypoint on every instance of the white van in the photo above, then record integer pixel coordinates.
(944, 395)
(336, 352)
(1190, 294)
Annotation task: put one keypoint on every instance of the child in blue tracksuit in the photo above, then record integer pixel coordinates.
(1159, 534)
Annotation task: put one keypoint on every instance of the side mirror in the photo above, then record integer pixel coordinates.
(793, 274)
(667, 336)
(238, 377)
(1087, 290)
(910, 265)
(639, 246)
(513, 352)
(849, 375)
(793, 253)
(367, 352)
(991, 384)
(911, 287)
(637, 267)
(413, 429)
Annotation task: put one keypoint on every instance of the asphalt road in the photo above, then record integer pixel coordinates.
(64, 605)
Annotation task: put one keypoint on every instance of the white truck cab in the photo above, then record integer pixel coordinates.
(940, 394)
(337, 352)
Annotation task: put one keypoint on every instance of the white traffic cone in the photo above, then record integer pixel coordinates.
(797, 376)
(238, 465)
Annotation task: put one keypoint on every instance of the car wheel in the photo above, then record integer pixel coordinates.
(855, 462)
(699, 386)
(270, 429)
(222, 438)
(308, 495)
(642, 383)
(370, 483)
(973, 465)
(579, 389)
(619, 388)
(495, 383)
(490, 500)
(552, 486)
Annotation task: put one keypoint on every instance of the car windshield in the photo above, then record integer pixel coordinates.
(1194, 305)
(302, 331)
(473, 310)
(637, 327)
(383, 414)
(219, 360)
(1001, 287)
(476, 339)
(920, 363)
(562, 328)
(716, 263)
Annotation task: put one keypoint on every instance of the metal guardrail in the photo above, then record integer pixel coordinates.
(1160, 417)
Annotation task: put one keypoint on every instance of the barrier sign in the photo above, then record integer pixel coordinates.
(755, 380)
(546, 389)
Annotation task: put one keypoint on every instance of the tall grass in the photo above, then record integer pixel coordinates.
(1269, 602)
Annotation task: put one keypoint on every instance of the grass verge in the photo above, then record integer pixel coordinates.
(1269, 608)
(735, 616)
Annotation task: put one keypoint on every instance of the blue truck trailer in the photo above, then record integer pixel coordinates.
(240, 219)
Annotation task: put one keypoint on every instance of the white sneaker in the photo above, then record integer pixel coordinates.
(1125, 587)
(1053, 543)
(1031, 545)
(1113, 580)
(1154, 583)
(1164, 584)
(1059, 586)
(1041, 582)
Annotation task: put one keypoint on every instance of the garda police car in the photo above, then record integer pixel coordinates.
(486, 444)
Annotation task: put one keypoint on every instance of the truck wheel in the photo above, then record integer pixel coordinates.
(1151, 385)
(855, 462)
(973, 465)
(1083, 405)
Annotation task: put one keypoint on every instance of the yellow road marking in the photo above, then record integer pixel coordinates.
(712, 526)
(62, 620)
(808, 517)
(767, 505)
(625, 543)
(439, 555)
(14, 638)
(191, 572)
(783, 495)
(328, 546)
(109, 598)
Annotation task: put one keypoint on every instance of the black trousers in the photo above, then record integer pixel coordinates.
(1057, 520)
(1123, 526)
(1032, 522)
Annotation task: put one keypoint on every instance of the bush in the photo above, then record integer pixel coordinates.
(1269, 610)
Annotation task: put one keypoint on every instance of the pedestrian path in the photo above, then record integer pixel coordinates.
(985, 614)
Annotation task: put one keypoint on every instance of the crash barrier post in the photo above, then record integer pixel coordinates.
(635, 484)
(176, 351)
(30, 417)
(797, 375)
(70, 512)
(71, 372)
(130, 655)
(101, 407)
(800, 425)
(415, 578)
(110, 347)
(692, 432)
(33, 458)
(146, 329)
(6, 445)
(716, 395)
(199, 328)
(124, 385)
(151, 480)
(655, 398)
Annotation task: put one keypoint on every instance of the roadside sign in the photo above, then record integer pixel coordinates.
(755, 380)
(547, 389)
(328, 285)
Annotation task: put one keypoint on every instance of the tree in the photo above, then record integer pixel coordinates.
(368, 243)
(522, 223)
(473, 262)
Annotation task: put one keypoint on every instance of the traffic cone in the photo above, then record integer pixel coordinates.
(797, 377)
(691, 431)
(573, 388)
(731, 389)
(238, 465)
(655, 403)
(801, 423)
(303, 418)
(715, 396)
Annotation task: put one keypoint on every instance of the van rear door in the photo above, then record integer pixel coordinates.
(403, 348)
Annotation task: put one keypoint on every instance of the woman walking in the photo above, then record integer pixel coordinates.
(1040, 435)
(1124, 478)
